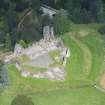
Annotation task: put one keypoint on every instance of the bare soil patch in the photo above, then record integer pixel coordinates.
(102, 81)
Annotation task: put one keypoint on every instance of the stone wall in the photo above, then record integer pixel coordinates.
(48, 33)
(55, 73)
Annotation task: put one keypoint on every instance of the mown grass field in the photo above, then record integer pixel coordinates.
(84, 68)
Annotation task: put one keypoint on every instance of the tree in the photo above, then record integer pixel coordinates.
(22, 100)
(76, 16)
(55, 3)
(101, 30)
(12, 22)
(4, 6)
(23, 43)
(86, 10)
(12, 19)
(36, 4)
(71, 6)
(97, 10)
(63, 13)
(46, 20)
(85, 16)
(61, 25)
(81, 16)
(21, 5)
(0, 70)
(30, 28)
(8, 45)
(29, 35)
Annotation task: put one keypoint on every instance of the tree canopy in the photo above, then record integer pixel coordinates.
(22, 19)
(22, 100)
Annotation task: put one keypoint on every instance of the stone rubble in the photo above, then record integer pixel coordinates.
(38, 49)
(54, 73)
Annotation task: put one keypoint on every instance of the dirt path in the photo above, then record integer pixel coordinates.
(21, 21)
(87, 55)
(102, 81)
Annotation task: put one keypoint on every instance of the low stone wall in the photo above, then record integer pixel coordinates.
(54, 73)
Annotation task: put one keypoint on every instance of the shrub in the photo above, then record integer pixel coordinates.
(23, 43)
(101, 30)
(22, 100)
(61, 25)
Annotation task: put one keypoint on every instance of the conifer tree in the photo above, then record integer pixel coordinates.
(8, 45)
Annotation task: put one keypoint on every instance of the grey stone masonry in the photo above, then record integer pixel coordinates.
(48, 33)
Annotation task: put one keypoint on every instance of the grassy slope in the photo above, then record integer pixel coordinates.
(87, 96)
(96, 47)
(94, 42)
(90, 37)
(75, 62)
(44, 92)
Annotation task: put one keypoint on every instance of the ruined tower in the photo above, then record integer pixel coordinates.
(48, 33)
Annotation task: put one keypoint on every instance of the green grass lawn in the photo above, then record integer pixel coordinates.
(56, 62)
(75, 62)
(87, 96)
(83, 68)
(89, 36)
(33, 69)
(28, 86)
(23, 58)
(54, 54)
(96, 46)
